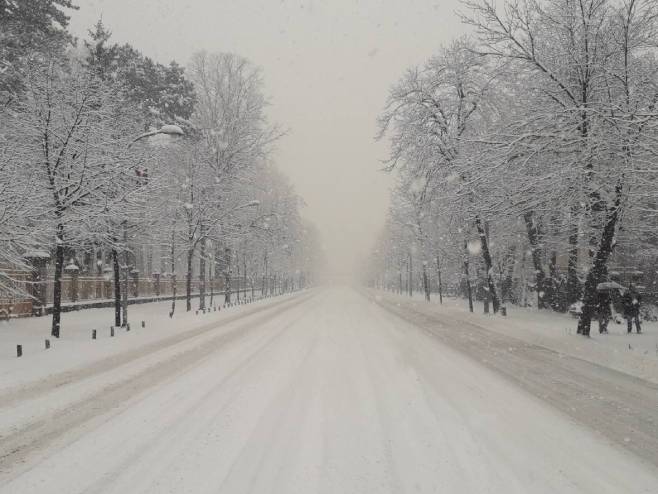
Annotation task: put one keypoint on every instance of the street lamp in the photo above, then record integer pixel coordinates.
(168, 129)
(165, 129)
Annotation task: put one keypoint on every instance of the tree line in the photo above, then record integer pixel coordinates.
(106, 154)
(526, 155)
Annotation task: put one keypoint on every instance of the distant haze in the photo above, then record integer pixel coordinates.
(327, 67)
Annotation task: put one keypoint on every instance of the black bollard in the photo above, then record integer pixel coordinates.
(93, 334)
(143, 324)
(19, 350)
(111, 331)
(47, 343)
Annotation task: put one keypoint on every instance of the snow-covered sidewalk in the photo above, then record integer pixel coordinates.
(75, 347)
(633, 354)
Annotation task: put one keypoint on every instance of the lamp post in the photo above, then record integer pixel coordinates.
(168, 130)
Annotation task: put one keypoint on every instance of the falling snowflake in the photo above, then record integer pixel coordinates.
(474, 247)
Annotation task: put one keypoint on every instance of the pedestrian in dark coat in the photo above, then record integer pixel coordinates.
(604, 311)
(631, 304)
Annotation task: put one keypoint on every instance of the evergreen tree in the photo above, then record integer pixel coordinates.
(161, 93)
(28, 28)
(101, 56)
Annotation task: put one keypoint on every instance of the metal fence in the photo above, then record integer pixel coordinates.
(86, 290)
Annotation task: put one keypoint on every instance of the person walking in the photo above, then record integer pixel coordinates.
(631, 304)
(604, 310)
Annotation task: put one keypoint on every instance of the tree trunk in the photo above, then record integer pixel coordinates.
(438, 272)
(263, 291)
(117, 287)
(239, 279)
(533, 239)
(599, 267)
(202, 271)
(57, 288)
(468, 277)
(173, 272)
(244, 270)
(411, 276)
(124, 307)
(486, 256)
(227, 276)
(554, 297)
(426, 282)
(173, 294)
(573, 285)
(188, 280)
(211, 280)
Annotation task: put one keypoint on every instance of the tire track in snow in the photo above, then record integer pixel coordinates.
(275, 433)
(431, 403)
(158, 445)
(17, 446)
(618, 406)
(376, 377)
(25, 392)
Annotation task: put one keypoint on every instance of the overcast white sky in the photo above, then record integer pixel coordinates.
(327, 66)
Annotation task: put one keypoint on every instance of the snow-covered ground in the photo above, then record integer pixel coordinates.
(75, 347)
(323, 392)
(630, 353)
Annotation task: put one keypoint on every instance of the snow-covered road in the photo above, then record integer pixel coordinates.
(325, 392)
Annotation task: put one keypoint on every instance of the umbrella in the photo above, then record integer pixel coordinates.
(609, 286)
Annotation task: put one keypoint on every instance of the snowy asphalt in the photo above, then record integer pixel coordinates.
(332, 392)
(618, 406)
